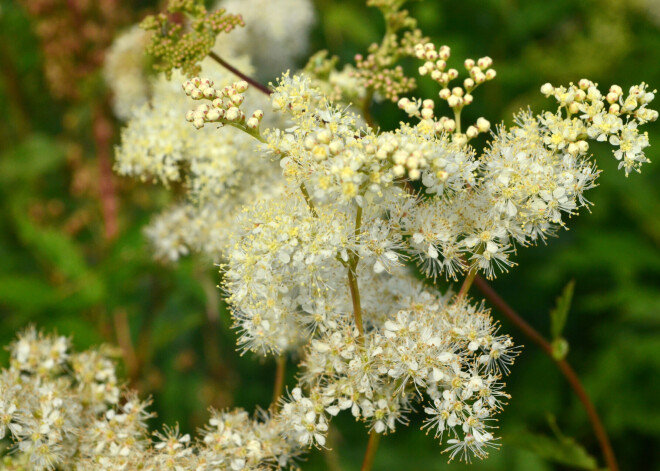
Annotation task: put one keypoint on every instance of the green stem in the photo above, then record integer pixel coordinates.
(457, 118)
(279, 379)
(308, 200)
(370, 453)
(352, 278)
(355, 298)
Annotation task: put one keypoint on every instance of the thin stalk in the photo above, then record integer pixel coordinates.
(563, 365)
(102, 129)
(352, 278)
(457, 118)
(355, 298)
(262, 88)
(308, 200)
(279, 380)
(366, 109)
(123, 332)
(467, 283)
(370, 453)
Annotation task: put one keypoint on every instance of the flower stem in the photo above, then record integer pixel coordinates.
(352, 279)
(366, 109)
(279, 379)
(308, 200)
(370, 453)
(262, 88)
(563, 365)
(355, 297)
(465, 287)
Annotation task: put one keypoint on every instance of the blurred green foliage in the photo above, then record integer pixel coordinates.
(60, 273)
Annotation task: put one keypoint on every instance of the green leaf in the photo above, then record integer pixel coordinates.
(564, 450)
(31, 158)
(559, 314)
(26, 293)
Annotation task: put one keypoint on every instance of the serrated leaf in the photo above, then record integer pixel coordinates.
(559, 314)
(564, 451)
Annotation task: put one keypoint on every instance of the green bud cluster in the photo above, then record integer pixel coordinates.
(174, 48)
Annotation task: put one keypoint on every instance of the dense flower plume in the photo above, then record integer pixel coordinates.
(317, 217)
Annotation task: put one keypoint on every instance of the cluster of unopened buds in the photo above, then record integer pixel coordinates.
(457, 98)
(224, 107)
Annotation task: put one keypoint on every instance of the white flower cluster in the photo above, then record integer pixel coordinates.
(124, 70)
(589, 116)
(218, 169)
(275, 34)
(385, 343)
(64, 410)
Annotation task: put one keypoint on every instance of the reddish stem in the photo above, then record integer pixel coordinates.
(563, 365)
(235, 71)
(102, 129)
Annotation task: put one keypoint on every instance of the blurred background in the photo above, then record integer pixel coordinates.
(73, 257)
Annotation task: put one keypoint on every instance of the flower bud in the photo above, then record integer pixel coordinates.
(484, 62)
(213, 114)
(444, 93)
(427, 113)
(241, 86)
(450, 125)
(483, 125)
(454, 101)
(490, 74)
(471, 132)
(209, 92)
(584, 84)
(583, 146)
(468, 99)
(469, 64)
(547, 89)
(444, 53)
(232, 114)
(468, 83)
(457, 91)
(452, 74)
